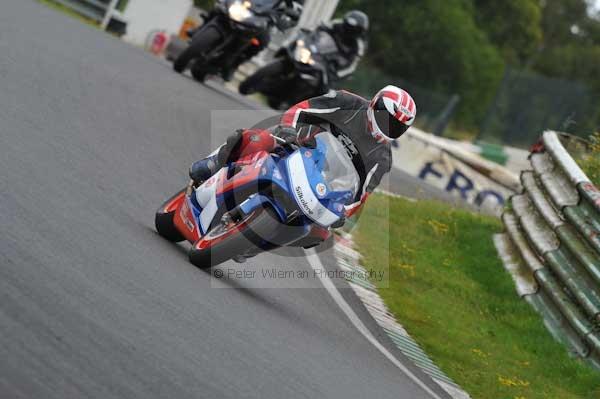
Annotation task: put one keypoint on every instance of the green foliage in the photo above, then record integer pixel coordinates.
(514, 26)
(204, 4)
(122, 5)
(571, 45)
(580, 62)
(437, 45)
(462, 46)
(448, 288)
(68, 11)
(559, 19)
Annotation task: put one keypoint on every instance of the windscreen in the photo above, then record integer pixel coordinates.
(262, 6)
(338, 171)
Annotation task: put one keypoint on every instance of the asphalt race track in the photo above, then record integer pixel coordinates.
(94, 135)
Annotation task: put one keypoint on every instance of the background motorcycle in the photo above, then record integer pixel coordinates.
(267, 199)
(299, 71)
(232, 27)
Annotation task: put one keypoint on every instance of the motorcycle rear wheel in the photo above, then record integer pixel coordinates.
(198, 72)
(248, 237)
(201, 43)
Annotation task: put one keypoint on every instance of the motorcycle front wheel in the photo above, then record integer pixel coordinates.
(224, 242)
(201, 43)
(266, 79)
(163, 219)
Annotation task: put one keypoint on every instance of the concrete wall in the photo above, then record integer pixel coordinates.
(317, 11)
(145, 16)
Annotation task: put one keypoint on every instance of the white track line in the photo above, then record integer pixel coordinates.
(315, 263)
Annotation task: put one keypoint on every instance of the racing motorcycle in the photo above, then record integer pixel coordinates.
(289, 196)
(230, 30)
(299, 71)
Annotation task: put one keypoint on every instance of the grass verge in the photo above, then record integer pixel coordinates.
(590, 160)
(449, 290)
(68, 11)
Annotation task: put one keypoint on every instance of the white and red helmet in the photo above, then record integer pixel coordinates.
(391, 112)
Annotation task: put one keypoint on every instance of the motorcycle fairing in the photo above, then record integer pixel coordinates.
(206, 198)
(302, 181)
(302, 189)
(186, 220)
(258, 6)
(258, 20)
(249, 172)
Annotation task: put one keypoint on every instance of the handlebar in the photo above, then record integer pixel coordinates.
(279, 139)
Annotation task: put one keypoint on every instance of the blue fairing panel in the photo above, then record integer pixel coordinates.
(259, 201)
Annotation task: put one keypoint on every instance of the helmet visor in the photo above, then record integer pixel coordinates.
(351, 28)
(387, 123)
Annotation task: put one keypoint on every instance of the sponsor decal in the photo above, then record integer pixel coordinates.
(210, 182)
(302, 200)
(255, 138)
(276, 174)
(461, 184)
(304, 193)
(339, 207)
(185, 209)
(436, 166)
(308, 154)
(348, 144)
(321, 190)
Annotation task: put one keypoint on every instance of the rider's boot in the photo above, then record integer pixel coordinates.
(202, 170)
(228, 73)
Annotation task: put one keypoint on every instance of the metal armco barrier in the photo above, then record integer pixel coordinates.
(551, 247)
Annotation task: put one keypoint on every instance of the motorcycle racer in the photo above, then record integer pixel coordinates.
(291, 9)
(233, 32)
(365, 128)
(350, 34)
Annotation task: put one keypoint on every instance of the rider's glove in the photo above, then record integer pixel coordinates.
(309, 142)
(228, 151)
(287, 133)
(291, 136)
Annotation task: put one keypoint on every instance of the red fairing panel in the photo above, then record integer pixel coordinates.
(174, 203)
(252, 165)
(255, 140)
(185, 221)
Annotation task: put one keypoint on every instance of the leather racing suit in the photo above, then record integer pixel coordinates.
(343, 114)
(350, 51)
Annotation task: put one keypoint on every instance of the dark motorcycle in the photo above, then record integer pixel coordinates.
(299, 71)
(230, 31)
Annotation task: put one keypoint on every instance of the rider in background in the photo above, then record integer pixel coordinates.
(288, 9)
(350, 35)
(365, 129)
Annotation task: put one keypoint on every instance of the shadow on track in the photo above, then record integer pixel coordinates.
(250, 293)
